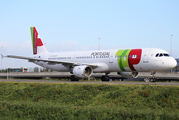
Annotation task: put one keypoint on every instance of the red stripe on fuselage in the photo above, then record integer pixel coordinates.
(135, 57)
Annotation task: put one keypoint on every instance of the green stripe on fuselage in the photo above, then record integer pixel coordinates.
(123, 58)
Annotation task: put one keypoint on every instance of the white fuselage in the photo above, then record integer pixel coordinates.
(140, 60)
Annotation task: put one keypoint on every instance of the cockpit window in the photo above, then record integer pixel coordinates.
(157, 55)
(160, 55)
(165, 54)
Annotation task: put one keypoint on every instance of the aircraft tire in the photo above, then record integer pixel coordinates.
(152, 80)
(105, 78)
(74, 78)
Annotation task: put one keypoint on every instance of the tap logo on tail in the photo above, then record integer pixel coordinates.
(36, 40)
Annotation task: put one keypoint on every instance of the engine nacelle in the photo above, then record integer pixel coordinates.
(82, 71)
(129, 75)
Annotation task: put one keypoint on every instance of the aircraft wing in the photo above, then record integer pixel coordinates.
(66, 63)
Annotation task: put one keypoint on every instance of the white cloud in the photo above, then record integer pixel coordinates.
(69, 45)
(24, 48)
(114, 47)
(59, 47)
(92, 47)
(3, 44)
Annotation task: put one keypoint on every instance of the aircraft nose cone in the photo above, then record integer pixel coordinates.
(173, 63)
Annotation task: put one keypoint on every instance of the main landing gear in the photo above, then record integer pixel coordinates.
(105, 78)
(152, 79)
(74, 78)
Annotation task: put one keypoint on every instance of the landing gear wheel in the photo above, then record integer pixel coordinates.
(105, 78)
(152, 79)
(74, 78)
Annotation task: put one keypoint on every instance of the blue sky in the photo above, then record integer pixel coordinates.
(71, 25)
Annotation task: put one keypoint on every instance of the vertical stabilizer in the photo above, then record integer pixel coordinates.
(37, 45)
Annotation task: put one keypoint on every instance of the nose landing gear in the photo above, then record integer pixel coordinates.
(152, 79)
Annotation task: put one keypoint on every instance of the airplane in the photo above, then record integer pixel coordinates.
(82, 64)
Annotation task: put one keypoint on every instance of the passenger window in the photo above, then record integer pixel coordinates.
(161, 55)
(157, 55)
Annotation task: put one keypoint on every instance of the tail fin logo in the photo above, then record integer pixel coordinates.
(36, 40)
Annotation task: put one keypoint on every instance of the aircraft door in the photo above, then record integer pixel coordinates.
(145, 58)
(74, 58)
(111, 58)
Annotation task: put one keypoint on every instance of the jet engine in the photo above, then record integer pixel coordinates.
(129, 75)
(82, 71)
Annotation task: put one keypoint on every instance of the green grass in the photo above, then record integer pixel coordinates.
(87, 101)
